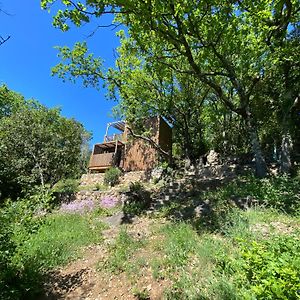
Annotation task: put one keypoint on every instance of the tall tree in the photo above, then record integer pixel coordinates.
(38, 146)
(224, 44)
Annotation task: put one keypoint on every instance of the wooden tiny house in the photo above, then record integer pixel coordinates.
(123, 151)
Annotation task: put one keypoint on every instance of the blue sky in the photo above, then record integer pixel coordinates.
(27, 57)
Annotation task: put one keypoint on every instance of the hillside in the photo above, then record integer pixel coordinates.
(192, 237)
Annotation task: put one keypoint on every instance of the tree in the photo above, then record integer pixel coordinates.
(282, 86)
(10, 101)
(38, 146)
(225, 45)
(2, 39)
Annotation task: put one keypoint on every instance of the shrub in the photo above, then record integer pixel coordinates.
(19, 220)
(112, 176)
(138, 199)
(266, 269)
(7, 249)
(66, 186)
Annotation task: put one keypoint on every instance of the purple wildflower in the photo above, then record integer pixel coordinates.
(108, 202)
(78, 206)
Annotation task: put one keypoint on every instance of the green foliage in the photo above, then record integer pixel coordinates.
(187, 259)
(266, 269)
(180, 243)
(112, 176)
(10, 101)
(19, 220)
(121, 251)
(32, 243)
(76, 63)
(276, 192)
(68, 186)
(38, 146)
(239, 265)
(138, 199)
(212, 83)
(141, 294)
(58, 240)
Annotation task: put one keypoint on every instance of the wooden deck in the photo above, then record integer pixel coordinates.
(101, 161)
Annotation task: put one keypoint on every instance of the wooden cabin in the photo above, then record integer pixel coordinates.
(122, 150)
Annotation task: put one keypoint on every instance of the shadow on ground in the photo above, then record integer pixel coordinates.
(57, 285)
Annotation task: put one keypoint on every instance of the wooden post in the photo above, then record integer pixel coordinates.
(116, 147)
(106, 132)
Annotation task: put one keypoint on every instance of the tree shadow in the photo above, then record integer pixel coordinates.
(56, 285)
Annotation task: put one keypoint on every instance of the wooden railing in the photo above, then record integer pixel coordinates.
(114, 137)
(101, 160)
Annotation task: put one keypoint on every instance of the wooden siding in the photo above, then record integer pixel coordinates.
(136, 154)
(140, 155)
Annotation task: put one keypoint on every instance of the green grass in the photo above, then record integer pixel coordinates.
(121, 252)
(57, 240)
(228, 254)
(237, 264)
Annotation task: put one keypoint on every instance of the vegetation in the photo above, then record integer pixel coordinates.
(225, 75)
(68, 186)
(204, 79)
(121, 252)
(38, 146)
(139, 199)
(33, 243)
(112, 176)
(239, 264)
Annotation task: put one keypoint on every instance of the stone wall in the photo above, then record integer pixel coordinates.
(133, 177)
(126, 178)
(92, 179)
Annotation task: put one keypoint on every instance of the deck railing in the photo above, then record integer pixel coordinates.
(101, 160)
(114, 137)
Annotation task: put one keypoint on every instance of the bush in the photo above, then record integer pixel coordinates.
(66, 186)
(19, 220)
(7, 249)
(112, 176)
(266, 269)
(138, 199)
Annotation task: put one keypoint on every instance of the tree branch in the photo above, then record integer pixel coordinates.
(150, 141)
(3, 40)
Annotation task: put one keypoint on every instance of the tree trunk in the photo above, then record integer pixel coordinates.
(260, 164)
(286, 141)
(285, 157)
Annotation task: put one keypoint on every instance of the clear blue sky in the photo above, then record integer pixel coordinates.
(27, 57)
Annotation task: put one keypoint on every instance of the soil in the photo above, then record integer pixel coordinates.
(81, 279)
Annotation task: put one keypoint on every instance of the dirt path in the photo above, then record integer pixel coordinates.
(82, 280)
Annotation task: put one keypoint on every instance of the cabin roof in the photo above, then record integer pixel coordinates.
(107, 145)
(120, 125)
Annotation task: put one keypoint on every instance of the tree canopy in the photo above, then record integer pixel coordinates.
(37, 145)
(231, 51)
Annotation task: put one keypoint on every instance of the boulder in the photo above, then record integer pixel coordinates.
(213, 158)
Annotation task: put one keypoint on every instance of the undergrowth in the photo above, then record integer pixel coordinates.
(121, 252)
(33, 243)
(225, 253)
